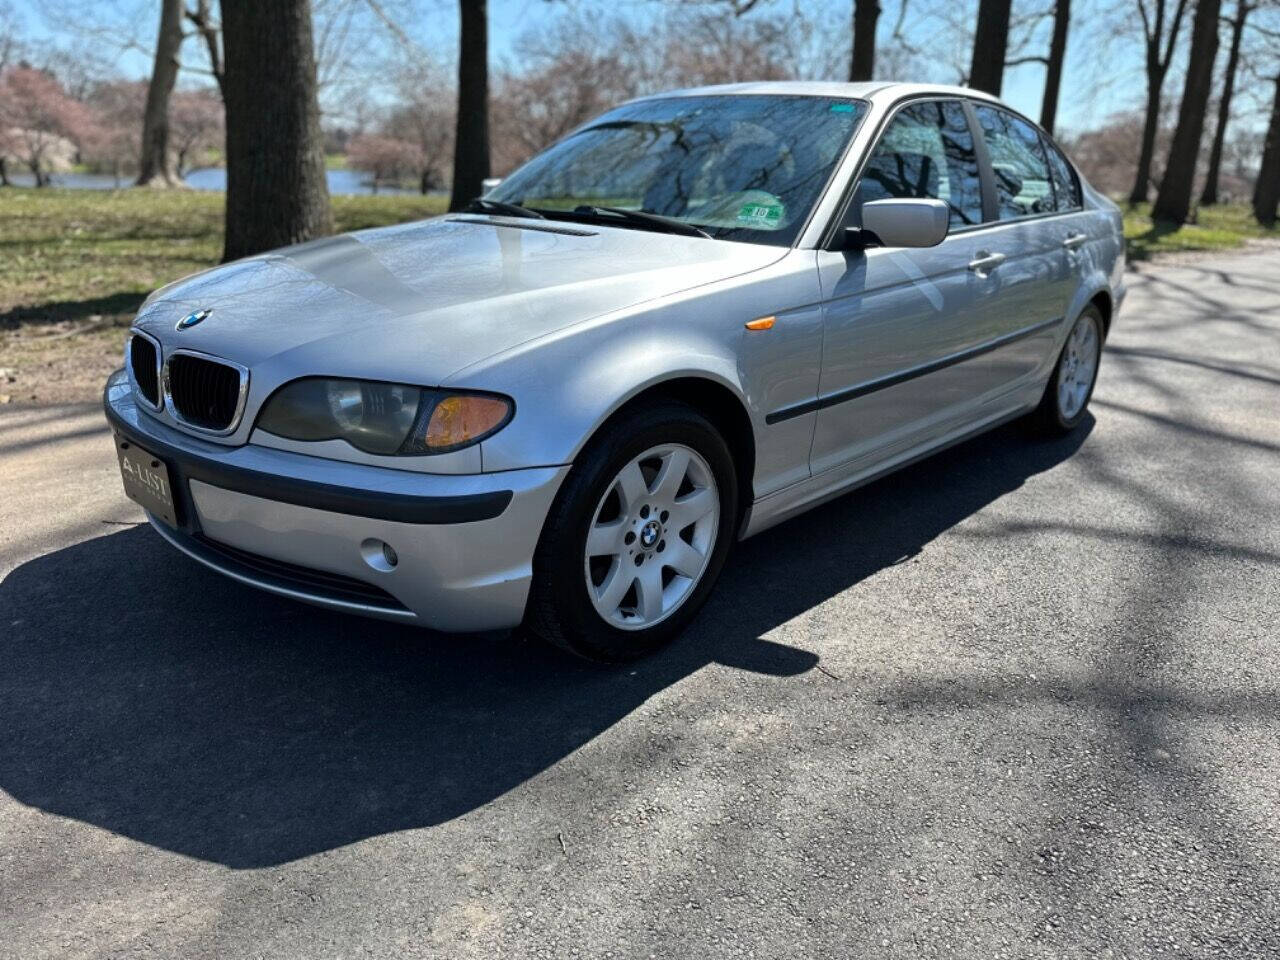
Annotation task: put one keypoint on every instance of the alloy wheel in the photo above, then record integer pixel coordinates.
(651, 536)
(1078, 366)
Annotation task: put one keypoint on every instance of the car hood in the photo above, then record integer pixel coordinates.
(419, 301)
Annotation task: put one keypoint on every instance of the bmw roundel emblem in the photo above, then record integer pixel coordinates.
(191, 319)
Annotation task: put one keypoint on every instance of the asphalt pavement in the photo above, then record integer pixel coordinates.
(1020, 700)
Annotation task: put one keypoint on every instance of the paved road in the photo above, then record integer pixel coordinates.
(1021, 700)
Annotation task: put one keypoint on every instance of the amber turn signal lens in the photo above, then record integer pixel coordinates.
(762, 323)
(461, 419)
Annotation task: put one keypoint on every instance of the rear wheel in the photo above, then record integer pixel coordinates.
(637, 535)
(1066, 398)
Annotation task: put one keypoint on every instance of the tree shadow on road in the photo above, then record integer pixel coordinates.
(152, 698)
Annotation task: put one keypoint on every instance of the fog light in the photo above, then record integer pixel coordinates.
(379, 555)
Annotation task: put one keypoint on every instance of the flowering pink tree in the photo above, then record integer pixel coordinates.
(112, 143)
(196, 125)
(44, 124)
(387, 158)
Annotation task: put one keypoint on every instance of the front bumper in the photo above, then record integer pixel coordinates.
(312, 529)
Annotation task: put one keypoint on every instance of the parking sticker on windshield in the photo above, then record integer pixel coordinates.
(762, 214)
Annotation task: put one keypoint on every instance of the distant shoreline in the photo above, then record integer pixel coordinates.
(342, 182)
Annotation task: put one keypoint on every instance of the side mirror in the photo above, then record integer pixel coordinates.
(901, 223)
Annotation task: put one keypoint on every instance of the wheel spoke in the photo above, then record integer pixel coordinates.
(691, 509)
(649, 586)
(674, 467)
(605, 539)
(631, 487)
(616, 583)
(682, 558)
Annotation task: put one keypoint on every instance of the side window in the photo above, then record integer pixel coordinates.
(926, 152)
(1066, 186)
(1023, 187)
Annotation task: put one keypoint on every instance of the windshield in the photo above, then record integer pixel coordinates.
(746, 168)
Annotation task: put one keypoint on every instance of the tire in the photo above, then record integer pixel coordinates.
(637, 533)
(1061, 410)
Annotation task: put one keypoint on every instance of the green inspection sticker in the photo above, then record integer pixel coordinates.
(762, 216)
(842, 108)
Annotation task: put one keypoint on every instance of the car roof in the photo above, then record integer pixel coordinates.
(872, 90)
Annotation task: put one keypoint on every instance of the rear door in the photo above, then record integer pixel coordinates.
(1035, 279)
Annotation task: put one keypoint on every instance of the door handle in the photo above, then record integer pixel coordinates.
(1075, 241)
(986, 262)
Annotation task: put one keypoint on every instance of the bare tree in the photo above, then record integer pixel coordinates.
(1053, 68)
(155, 165)
(276, 188)
(9, 44)
(1173, 202)
(471, 141)
(862, 65)
(1160, 33)
(424, 117)
(210, 32)
(1210, 194)
(990, 46)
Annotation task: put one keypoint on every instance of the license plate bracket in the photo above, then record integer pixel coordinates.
(146, 480)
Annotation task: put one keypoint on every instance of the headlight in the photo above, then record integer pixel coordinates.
(390, 419)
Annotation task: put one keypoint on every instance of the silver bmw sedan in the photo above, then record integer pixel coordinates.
(688, 320)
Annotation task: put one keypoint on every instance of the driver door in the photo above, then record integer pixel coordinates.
(896, 319)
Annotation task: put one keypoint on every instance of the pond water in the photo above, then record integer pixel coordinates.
(205, 178)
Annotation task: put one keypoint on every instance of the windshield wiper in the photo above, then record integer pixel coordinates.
(639, 217)
(482, 205)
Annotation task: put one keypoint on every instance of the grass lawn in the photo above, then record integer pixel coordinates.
(76, 264)
(72, 254)
(1217, 228)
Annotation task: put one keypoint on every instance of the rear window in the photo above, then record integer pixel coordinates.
(1066, 185)
(1024, 187)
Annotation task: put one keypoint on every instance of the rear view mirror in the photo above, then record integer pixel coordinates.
(901, 223)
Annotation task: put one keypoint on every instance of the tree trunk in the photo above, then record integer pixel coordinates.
(1173, 202)
(1210, 194)
(1150, 126)
(4, 172)
(1266, 195)
(155, 167)
(1057, 54)
(424, 182)
(990, 41)
(276, 188)
(471, 145)
(865, 15)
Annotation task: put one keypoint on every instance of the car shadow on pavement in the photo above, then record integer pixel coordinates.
(152, 698)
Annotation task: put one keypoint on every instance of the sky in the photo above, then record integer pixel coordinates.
(1103, 74)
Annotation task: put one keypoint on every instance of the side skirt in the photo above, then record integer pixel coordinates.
(829, 485)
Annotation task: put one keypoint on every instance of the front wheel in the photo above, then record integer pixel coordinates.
(636, 537)
(1066, 398)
